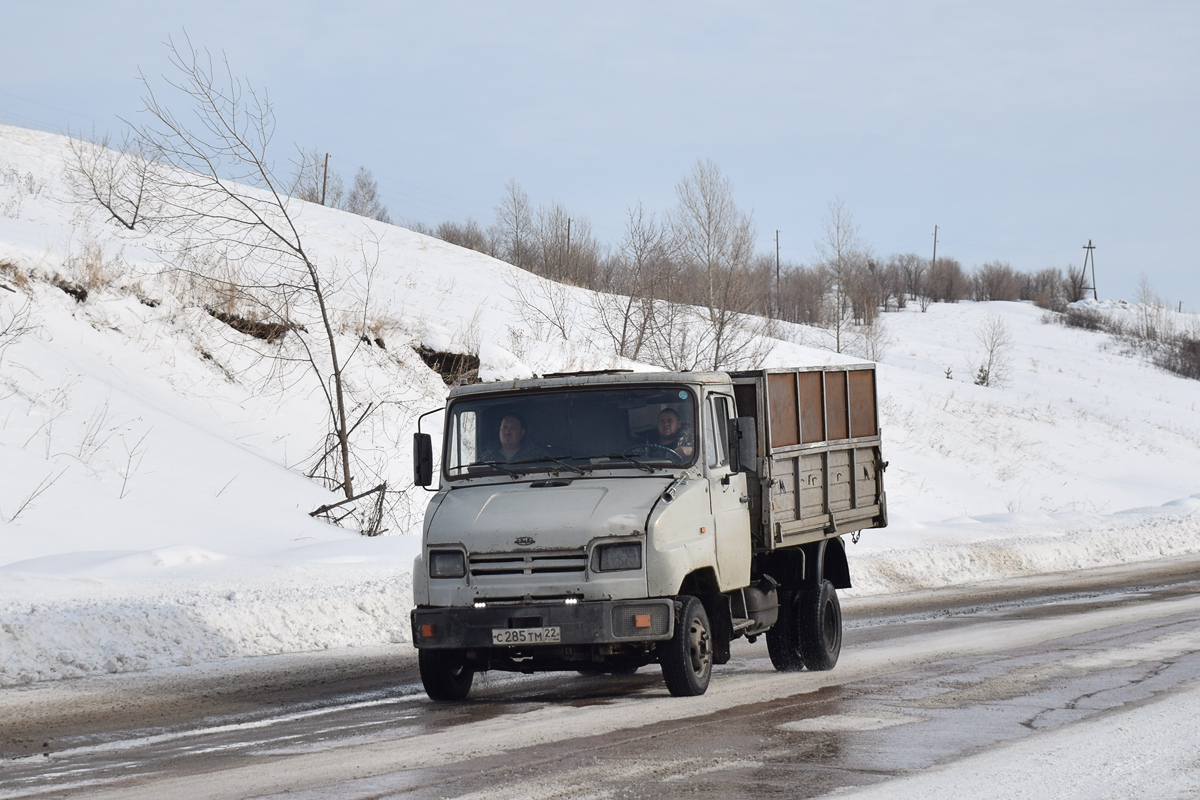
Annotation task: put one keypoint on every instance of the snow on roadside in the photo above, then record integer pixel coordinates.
(1000, 546)
(86, 613)
(1148, 751)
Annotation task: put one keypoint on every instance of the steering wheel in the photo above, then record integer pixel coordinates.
(654, 450)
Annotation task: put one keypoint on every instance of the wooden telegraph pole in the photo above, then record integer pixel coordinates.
(324, 178)
(777, 299)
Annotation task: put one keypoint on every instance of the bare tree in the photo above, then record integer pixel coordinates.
(625, 305)
(912, 272)
(997, 342)
(513, 231)
(715, 244)
(842, 253)
(117, 177)
(563, 247)
(363, 198)
(221, 195)
(803, 295)
(314, 182)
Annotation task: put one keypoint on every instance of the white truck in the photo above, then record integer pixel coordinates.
(599, 522)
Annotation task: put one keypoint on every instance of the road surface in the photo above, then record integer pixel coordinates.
(974, 691)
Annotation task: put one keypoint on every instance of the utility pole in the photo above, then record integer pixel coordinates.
(933, 260)
(777, 272)
(324, 179)
(568, 243)
(1089, 256)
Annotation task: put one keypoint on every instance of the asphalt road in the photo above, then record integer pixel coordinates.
(924, 678)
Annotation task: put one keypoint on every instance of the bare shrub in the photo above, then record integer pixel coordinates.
(89, 266)
(467, 234)
(16, 320)
(946, 282)
(1044, 288)
(995, 280)
(1075, 284)
(1088, 319)
(543, 303)
(117, 177)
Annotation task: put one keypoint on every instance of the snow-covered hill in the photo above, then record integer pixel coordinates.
(154, 510)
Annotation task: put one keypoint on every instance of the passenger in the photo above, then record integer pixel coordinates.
(675, 434)
(513, 446)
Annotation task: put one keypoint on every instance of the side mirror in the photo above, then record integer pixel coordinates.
(743, 444)
(422, 459)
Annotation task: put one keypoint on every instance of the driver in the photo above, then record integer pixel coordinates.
(513, 446)
(675, 434)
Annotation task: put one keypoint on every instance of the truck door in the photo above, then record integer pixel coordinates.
(727, 492)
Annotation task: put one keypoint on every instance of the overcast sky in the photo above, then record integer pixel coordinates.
(1021, 129)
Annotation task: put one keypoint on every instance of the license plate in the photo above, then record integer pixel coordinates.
(511, 636)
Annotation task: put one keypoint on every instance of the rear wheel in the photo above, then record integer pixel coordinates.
(808, 632)
(783, 638)
(820, 627)
(445, 674)
(687, 657)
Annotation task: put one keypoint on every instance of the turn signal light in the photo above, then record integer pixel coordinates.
(641, 620)
(427, 631)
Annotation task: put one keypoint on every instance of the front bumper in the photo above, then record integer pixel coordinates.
(599, 622)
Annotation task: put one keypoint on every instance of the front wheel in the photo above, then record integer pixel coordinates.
(687, 657)
(445, 674)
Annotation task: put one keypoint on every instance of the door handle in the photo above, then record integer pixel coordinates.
(745, 499)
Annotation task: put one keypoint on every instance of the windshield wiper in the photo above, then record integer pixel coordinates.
(540, 459)
(495, 465)
(626, 458)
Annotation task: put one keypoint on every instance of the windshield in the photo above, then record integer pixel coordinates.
(575, 430)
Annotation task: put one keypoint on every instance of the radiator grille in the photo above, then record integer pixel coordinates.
(545, 562)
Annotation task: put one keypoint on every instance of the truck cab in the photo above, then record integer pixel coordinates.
(601, 522)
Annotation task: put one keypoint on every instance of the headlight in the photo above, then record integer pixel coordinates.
(617, 557)
(446, 564)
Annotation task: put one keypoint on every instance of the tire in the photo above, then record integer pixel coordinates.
(687, 657)
(783, 638)
(445, 674)
(820, 627)
(808, 633)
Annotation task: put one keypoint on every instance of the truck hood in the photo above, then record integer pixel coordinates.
(490, 518)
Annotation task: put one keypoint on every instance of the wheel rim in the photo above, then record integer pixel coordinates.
(699, 647)
(830, 625)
